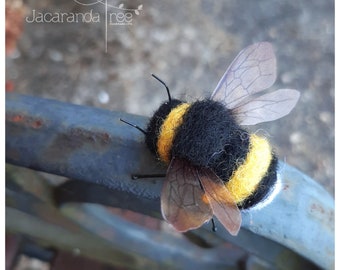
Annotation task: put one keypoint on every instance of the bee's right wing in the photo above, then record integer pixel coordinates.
(183, 202)
(221, 201)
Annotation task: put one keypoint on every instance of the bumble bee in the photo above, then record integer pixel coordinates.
(216, 167)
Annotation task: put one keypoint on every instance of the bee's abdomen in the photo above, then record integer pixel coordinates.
(264, 187)
(253, 179)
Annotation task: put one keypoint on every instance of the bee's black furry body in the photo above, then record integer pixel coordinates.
(210, 137)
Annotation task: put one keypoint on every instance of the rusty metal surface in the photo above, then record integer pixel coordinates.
(79, 142)
(92, 145)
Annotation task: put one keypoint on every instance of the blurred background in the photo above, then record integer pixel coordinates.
(106, 61)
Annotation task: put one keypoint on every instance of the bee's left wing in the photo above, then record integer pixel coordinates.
(221, 202)
(253, 71)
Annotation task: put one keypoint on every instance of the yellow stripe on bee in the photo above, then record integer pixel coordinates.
(245, 179)
(168, 130)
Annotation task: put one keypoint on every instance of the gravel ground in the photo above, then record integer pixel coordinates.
(189, 45)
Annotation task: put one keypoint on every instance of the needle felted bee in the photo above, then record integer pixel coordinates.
(215, 166)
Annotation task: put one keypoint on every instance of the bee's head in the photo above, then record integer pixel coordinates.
(153, 130)
(156, 122)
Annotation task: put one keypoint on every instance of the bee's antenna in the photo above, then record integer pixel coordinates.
(132, 125)
(167, 88)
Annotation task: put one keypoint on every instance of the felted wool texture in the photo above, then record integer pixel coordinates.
(156, 122)
(210, 137)
(168, 131)
(246, 178)
(262, 190)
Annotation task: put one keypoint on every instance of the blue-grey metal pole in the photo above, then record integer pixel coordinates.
(92, 145)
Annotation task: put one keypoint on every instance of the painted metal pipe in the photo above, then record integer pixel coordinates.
(92, 145)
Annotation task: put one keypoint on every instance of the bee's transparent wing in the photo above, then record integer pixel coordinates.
(182, 199)
(267, 107)
(252, 71)
(221, 201)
